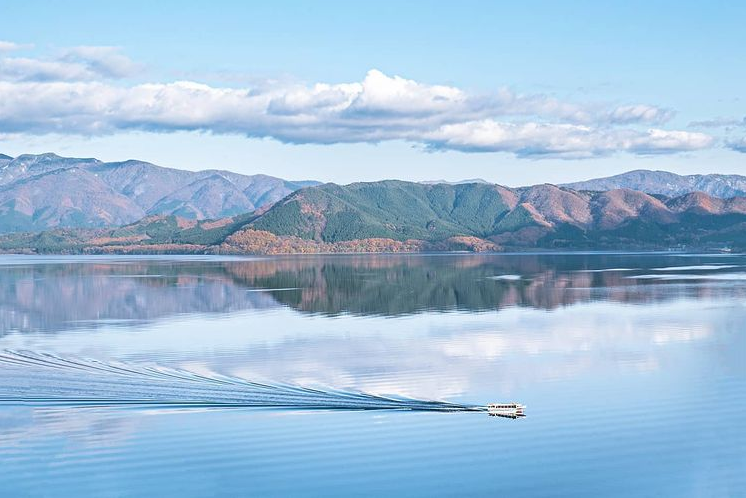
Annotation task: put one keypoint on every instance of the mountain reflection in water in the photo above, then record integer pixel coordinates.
(72, 293)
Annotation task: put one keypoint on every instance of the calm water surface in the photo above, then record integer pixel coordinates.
(633, 367)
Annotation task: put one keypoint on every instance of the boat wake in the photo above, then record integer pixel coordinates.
(42, 379)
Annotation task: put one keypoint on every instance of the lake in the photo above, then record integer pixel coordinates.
(357, 375)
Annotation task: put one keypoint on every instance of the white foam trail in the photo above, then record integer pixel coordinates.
(689, 276)
(695, 268)
(602, 270)
(41, 379)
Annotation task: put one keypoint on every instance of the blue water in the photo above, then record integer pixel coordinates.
(357, 375)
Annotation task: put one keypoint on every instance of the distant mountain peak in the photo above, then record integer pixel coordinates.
(130, 162)
(43, 157)
(459, 182)
(667, 183)
(92, 193)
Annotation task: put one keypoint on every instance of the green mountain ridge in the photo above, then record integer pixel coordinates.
(388, 209)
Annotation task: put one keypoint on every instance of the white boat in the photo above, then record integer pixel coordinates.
(512, 410)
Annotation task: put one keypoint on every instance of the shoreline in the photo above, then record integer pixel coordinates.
(507, 252)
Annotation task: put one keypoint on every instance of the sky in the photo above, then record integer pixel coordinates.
(511, 92)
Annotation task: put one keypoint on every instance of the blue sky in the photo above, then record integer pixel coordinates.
(512, 92)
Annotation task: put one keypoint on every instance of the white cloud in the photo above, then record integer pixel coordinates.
(71, 94)
(560, 140)
(26, 69)
(640, 113)
(739, 145)
(8, 46)
(382, 95)
(719, 122)
(74, 64)
(107, 62)
(656, 141)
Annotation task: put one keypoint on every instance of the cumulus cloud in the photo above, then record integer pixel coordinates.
(72, 93)
(382, 95)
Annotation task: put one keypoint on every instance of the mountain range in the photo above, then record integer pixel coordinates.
(152, 209)
(668, 184)
(44, 191)
(396, 216)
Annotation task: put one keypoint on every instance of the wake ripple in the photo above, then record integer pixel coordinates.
(33, 378)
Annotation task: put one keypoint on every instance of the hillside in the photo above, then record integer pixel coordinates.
(389, 209)
(396, 216)
(39, 192)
